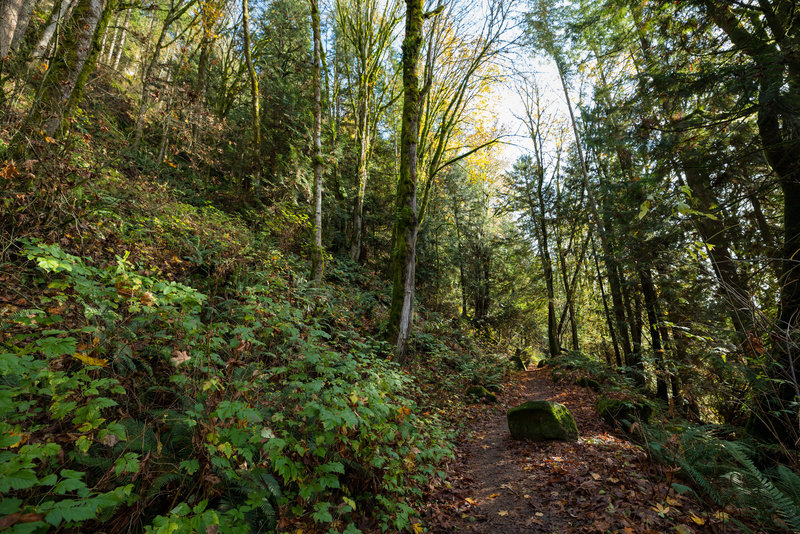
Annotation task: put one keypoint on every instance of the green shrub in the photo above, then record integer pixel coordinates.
(121, 391)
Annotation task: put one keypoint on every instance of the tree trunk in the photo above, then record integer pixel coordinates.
(69, 70)
(10, 11)
(122, 38)
(651, 306)
(553, 341)
(59, 14)
(406, 223)
(317, 250)
(147, 69)
(609, 319)
(461, 278)
(363, 177)
(255, 99)
(113, 42)
(23, 20)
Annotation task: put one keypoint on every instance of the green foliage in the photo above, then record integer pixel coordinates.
(731, 472)
(280, 413)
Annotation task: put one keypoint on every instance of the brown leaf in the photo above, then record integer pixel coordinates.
(9, 171)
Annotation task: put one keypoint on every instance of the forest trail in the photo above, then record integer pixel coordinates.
(602, 483)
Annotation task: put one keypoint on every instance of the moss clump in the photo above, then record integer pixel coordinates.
(481, 393)
(624, 412)
(542, 420)
(586, 382)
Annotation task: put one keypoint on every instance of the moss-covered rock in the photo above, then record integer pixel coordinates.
(481, 393)
(586, 382)
(542, 363)
(624, 412)
(542, 420)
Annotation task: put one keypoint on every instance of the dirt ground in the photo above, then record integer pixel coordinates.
(602, 483)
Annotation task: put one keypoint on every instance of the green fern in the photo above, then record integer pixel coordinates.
(780, 502)
(788, 482)
(161, 482)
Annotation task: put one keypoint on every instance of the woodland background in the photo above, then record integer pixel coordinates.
(254, 254)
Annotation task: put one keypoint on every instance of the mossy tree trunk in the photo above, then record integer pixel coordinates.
(71, 66)
(57, 16)
(255, 100)
(317, 250)
(405, 220)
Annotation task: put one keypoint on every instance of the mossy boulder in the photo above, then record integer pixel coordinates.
(586, 382)
(481, 393)
(624, 412)
(542, 420)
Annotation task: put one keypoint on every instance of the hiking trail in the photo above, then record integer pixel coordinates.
(602, 483)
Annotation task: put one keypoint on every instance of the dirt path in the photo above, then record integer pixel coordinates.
(602, 483)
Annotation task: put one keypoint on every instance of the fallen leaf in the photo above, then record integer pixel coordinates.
(502, 512)
(494, 495)
(696, 519)
(180, 357)
(88, 360)
(471, 501)
(660, 509)
(596, 476)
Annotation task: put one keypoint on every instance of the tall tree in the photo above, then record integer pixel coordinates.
(255, 101)
(401, 311)
(767, 34)
(69, 70)
(317, 249)
(367, 27)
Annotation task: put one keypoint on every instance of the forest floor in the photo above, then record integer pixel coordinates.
(602, 483)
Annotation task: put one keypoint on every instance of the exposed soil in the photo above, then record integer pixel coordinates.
(602, 483)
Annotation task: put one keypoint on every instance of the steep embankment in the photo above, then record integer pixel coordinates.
(167, 367)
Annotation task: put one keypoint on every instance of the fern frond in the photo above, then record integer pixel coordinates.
(780, 502)
(162, 481)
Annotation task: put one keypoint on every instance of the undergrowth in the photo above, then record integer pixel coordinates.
(167, 368)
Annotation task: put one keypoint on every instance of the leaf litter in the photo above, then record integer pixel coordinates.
(602, 483)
